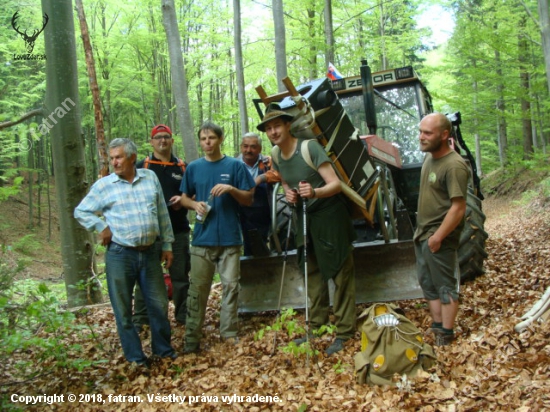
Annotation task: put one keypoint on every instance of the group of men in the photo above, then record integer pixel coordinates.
(145, 226)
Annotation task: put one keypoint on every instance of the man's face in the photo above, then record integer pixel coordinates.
(210, 143)
(277, 130)
(162, 143)
(122, 165)
(250, 149)
(431, 137)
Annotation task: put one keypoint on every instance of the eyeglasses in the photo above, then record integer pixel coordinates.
(161, 136)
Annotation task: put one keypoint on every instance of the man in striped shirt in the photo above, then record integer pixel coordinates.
(135, 215)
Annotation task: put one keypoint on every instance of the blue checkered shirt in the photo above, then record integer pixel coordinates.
(135, 212)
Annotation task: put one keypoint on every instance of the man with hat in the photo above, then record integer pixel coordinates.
(330, 230)
(169, 170)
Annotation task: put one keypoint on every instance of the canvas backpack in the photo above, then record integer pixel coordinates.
(390, 344)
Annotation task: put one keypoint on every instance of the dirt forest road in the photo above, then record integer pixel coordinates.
(489, 367)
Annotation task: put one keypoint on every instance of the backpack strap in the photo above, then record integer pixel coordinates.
(178, 162)
(275, 154)
(304, 149)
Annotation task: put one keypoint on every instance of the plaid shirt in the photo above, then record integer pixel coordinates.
(135, 212)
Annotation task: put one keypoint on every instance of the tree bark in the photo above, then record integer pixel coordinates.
(77, 246)
(476, 124)
(312, 59)
(179, 83)
(239, 66)
(329, 34)
(501, 114)
(544, 17)
(280, 43)
(527, 127)
(96, 98)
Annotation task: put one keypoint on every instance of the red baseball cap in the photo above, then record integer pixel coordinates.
(161, 128)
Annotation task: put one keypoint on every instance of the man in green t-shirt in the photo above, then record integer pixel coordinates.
(330, 230)
(441, 209)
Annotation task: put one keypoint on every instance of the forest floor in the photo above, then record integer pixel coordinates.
(488, 367)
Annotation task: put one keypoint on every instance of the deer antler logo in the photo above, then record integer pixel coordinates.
(29, 40)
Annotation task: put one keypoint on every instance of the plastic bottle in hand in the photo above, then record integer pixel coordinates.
(209, 202)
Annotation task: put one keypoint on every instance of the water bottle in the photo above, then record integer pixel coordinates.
(209, 202)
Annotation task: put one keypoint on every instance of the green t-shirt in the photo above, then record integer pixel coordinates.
(295, 169)
(329, 223)
(440, 180)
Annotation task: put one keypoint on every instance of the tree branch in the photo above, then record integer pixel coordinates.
(537, 23)
(36, 112)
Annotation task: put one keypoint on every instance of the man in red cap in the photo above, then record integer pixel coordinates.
(169, 170)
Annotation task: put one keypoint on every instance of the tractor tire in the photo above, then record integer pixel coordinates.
(284, 219)
(471, 250)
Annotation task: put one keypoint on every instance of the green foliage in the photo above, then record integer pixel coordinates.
(338, 367)
(287, 323)
(32, 321)
(284, 322)
(541, 191)
(132, 62)
(27, 244)
(299, 350)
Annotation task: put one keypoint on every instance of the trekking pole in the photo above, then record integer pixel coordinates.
(282, 277)
(304, 207)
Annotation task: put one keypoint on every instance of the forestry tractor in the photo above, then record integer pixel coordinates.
(368, 125)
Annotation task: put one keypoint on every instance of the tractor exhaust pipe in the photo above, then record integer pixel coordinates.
(368, 97)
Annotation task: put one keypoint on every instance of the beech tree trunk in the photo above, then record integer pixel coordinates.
(544, 17)
(527, 127)
(501, 115)
(280, 43)
(239, 67)
(62, 113)
(329, 34)
(179, 84)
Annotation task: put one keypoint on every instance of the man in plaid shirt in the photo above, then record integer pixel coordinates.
(132, 203)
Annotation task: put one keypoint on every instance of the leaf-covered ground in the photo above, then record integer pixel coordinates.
(489, 367)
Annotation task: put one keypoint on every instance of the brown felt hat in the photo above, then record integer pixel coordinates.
(274, 114)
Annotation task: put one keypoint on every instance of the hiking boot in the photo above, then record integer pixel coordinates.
(336, 346)
(173, 356)
(434, 331)
(191, 349)
(443, 339)
(144, 364)
(303, 339)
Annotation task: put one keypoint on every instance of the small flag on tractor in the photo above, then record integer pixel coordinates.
(333, 73)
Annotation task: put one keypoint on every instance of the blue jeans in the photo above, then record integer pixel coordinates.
(179, 275)
(124, 268)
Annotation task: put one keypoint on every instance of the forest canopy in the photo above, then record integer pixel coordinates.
(491, 69)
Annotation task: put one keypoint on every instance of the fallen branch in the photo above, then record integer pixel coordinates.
(537, 305)
(97, 305)
(536, 312)
(35, 112)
